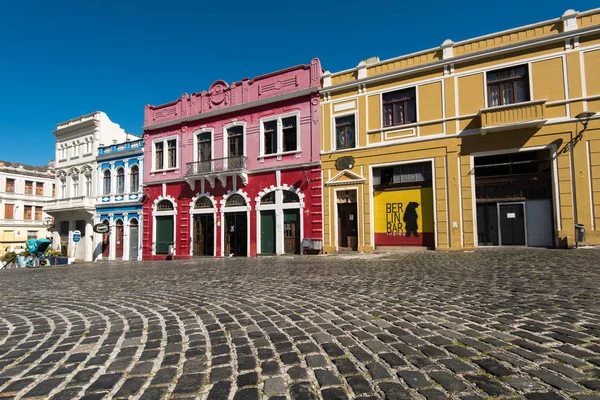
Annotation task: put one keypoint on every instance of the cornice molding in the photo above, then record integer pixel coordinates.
(560, 37)
(61, 132)
(232, 109)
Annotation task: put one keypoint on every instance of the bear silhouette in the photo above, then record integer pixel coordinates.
(410, 219)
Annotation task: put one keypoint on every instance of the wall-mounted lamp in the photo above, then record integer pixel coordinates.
(584, 118)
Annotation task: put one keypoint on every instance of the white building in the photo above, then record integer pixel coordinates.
(24, 192)
(77, 182)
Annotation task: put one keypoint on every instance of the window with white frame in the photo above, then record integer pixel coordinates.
(75, 152)
(134, 179)
(270, 137)
(106, 183)
(280, 135)
(171, 153)
(508, 86)
(235, 137)
(120, 180)
(159, 159)
(399, 107)
(75, 180)
(88, 146)
(63, 188)
(88, 184)
(165, 154)
(345, 137)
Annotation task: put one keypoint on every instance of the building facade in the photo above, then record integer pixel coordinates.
(74, 206)
(120, 170)
(24, 192)
(486, 142)
(235, 170)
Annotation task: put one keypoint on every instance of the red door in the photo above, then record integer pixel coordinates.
(105, 245)
(119, 239)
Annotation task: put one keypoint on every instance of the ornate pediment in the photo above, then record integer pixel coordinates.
(344, 178)
(218, 94)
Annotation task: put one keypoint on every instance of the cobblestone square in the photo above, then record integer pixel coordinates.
(423, 325)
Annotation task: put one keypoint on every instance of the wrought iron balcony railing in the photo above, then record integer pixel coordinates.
(217, 166)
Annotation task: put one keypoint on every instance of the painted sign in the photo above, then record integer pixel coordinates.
(76, 236)
(404, 217)
(101, 228)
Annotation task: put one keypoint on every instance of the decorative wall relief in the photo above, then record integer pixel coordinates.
(218, 94)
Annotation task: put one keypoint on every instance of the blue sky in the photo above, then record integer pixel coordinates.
(61, 59)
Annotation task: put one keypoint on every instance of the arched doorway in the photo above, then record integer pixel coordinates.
(291, 222)
(164, 234)
(119, 238)
(236, 227)
(133, 239)
(279, 222)
(203, 235)
(106, 241)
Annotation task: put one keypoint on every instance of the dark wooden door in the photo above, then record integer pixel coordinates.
(204, 151)
(119, 239)
(236, 234)
(347, 226)
(291, 231)
(133, 239)
(204, 235)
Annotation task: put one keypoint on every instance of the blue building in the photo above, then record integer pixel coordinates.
(120, 173)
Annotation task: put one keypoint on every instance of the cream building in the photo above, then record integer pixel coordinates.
(74, 206)
(24, 192)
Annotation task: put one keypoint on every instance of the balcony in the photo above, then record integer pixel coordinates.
(218, 168)
(72, 204)
(120, 147)
(529, 114)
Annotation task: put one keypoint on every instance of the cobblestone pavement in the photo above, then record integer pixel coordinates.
(423, 325)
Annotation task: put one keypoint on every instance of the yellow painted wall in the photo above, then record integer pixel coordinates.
(471, 89)
(429, 98)
(548, 83)
(591, 63)
(463, 98)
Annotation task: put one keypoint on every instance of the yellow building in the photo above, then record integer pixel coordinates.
(24, 192)
(475, 143)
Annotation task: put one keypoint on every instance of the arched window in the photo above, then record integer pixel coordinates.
(120, 180)
(88, 184)
(268, 198)
(75, 180)
(135, 179)
(106, 182)
(203, 202)
(290, 197)
(164, 205)
(235, 200)
(63, 187)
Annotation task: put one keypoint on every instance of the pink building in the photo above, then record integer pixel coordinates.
(235, 170)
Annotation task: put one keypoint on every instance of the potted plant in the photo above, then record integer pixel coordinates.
(10, 259)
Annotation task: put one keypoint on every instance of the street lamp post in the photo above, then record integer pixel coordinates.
(584, 119)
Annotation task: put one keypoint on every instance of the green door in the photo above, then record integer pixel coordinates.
(164, 233)
(267, 232)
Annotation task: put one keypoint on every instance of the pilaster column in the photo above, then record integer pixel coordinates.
(89, 241)
(126, 236)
